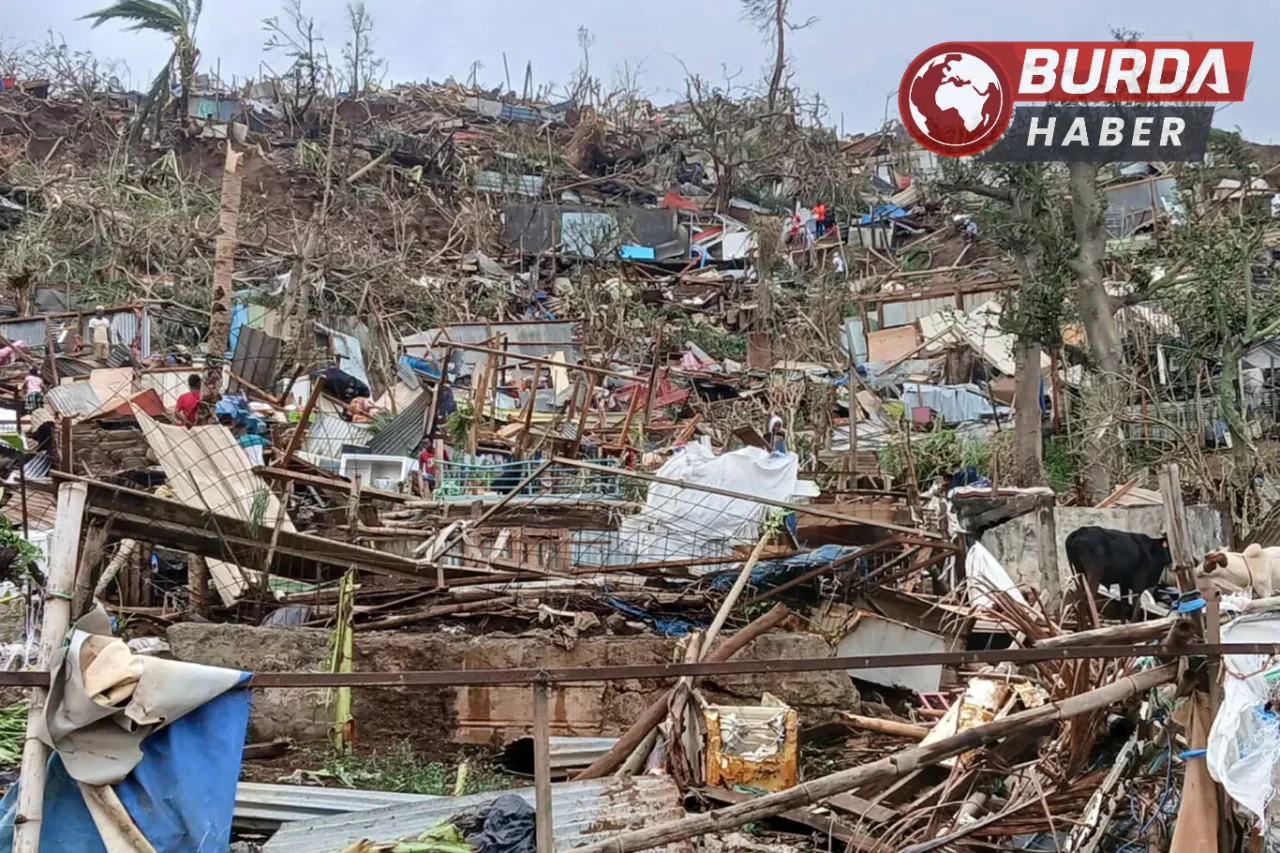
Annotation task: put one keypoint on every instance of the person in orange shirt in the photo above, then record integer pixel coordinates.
(820, 219)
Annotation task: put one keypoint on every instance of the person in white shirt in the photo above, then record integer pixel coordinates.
(100, 334)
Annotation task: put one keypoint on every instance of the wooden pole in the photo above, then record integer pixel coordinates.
(657, 712)
(1132, 632)
(53, 630)
(523, 441)
(224, 262)
(582, 416)
(544, 832)
(887, 727)
(890, 767)
(295, 440)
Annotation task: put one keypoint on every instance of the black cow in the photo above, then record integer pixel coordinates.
(1131, 560)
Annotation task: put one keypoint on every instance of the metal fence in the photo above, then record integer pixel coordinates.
(468, 480)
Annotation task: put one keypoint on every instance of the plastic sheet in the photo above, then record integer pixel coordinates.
(181, 795)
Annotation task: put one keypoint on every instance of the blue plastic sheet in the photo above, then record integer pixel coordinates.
(668, 627)
(770, 573)
(181, 795)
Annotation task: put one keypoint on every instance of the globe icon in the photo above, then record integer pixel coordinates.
(956, 100)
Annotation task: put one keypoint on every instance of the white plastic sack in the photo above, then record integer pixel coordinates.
(680, 523)
(984, 573)
(1244, 743)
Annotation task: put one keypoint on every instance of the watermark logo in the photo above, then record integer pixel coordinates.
(955, 100)
(1094, 101)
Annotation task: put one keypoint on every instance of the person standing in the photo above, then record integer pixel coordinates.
(35, 389)
(189, 403)
(100, 334)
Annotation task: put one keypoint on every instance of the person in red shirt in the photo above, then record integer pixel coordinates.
(189, 403)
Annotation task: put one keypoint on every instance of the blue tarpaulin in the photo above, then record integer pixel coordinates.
(770, 573)
(667, 627)
(181, 795)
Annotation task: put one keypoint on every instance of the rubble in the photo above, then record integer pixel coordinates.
(477, 384)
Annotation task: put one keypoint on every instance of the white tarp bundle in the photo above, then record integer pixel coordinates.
(680, 523)
(985, 575)
(1244, 744)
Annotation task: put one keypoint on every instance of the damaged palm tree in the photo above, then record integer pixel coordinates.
(224, 262)
(175, 18)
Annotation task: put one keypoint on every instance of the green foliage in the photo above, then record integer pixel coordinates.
(399, 768)
(1059, 464)
(457, 425)
(934, 454)
(13, 731)
(25, 554)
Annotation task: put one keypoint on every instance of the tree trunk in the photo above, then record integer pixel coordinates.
(780, 57)
(1099, 321)
(1232, 406)
(1028, 467)
(1095, 305)
(224, 262)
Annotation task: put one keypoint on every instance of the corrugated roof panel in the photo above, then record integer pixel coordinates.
(75, 399)
(348, 354)
(504, 182)
(582, 813)
(261, 806)
(328, 433)
(538, 339)
(30, 332)
(403, 435)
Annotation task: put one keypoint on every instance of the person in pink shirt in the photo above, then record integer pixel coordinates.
(35, 389)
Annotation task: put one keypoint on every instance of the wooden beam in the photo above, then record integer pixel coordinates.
(295, 440)
(335, 484)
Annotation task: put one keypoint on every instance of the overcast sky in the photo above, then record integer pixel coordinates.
(853, 56)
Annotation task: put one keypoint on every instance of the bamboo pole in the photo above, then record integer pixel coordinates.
(657, 712)
(886, 727)
(1133, 632)
(889, 767)
(53, 630)
(295, 440)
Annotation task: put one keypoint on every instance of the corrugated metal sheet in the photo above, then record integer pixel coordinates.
(38, 466)
(30, 332)
(582, 812)
(504, 182)
(328, 433)
(255, 358)
(541, 340)
(268, 806)
(347, 353)
(403, 435)
(75, 399)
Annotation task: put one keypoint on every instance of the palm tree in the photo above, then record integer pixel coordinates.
(175, 18)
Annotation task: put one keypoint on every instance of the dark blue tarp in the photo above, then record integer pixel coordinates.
(770, 573)
(181, 795)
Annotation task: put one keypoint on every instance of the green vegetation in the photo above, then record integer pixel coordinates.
(13, 731)
(400, 768)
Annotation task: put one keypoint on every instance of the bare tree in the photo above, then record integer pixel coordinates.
(362, 64)
(771, 18)
(296, 37)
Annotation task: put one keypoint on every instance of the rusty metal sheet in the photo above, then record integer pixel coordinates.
(582, 813)
(751, 745)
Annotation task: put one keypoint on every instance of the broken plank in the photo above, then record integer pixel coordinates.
(826, 824)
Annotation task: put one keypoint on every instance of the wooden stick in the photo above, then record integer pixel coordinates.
(544, 836)
(657, 712)
(523, 441)
(295, 440)
(889, 767)
(53, 630)
(1133, 632)
(885, 727)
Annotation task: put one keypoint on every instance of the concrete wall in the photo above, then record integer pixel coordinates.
(485, 714)
(1016, 543)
